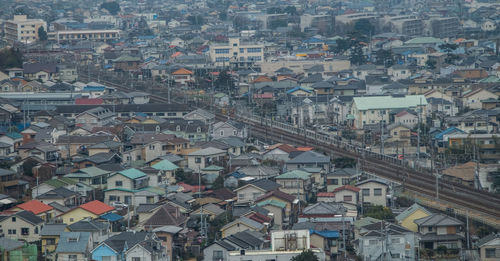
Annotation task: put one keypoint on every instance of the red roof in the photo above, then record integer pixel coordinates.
(347, 187)
(182, 71)
(97, 207)
(260, 218)
(262, 78)
(35, 206)
(326, 194)
(304, 148)
(86, 101)
(266, 95)
(190, 188)
(279, 194)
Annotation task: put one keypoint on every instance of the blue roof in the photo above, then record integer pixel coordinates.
(14, 135)
(146, 37)
(94, 88)
(325, 233)
(313, 40)
(108, 66)
(440, 135)
(238, 175)
(73, 242)
(296, 89)
(112, 217)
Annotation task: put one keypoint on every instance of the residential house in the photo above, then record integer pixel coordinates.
(406, 117)
(169, 236)
(99, 231)
(210, 210)
(130, 186)
(95, 117)
(249, 193)
(386, 241)
(228, 129)
(61, 196)
(246, 240)
(200, 115)
(328, 240)
(167, 171)
(14, 139)
(373, 192)
(340, 177)
(91, 176)
(278, 152)
(296, 182)
(183, 77)
(11, 185)
(440, 230)
(53, 184)
(40, 149)
(129, 246)
(347, 195)
(408, 216)
(37, 207)
(22, 225)
(96, 159)
(92, 210)
(203, 158)
(489, 247)
(309, 159)
(473, 98)
(288, 212)
(165, 215)
(73, 246)
(399, 135)
(241, 224)
(79, 144)
(50, 235)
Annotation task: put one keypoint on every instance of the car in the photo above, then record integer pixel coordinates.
(118, 204)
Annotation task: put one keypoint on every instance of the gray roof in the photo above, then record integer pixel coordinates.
(213, 208)
(379, 181)
(52, 229)
(249, 222)
(60, 193)
(168, 229)
(487, 239)
(434, 237)
(5, 172)
(29, 217)
(410, 210)
(73, 242)
(309, 157)
(59, 207)
(10, 244)
(145, 208)
(323, 208)
(88, 226)
(125, 239)
(344, 172)
(265, 184)
(206, 152)
(438, 220)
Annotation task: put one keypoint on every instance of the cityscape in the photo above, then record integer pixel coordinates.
(237, 130)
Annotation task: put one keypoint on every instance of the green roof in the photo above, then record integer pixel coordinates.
(411, 210)
(312, 170)
(388, 102)
(365, 221)
(213, 168)
(424, 40)
(14, 135)
(273, 202)
(490, 79)
(61, 182)
(165, 165)
(155, 190)
(89, 172)
(294, 174)
(132, 173)
(137, 163)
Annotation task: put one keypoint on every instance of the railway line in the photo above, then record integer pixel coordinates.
(423, 182)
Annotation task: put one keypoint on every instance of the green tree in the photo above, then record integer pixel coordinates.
(379, 212)
(196, 19)
(431, 64)
(218, 183)
(42, 34)
(364, 26)
(224, 82)
(28, 167)
(496, 181)
(223, 15)
(274, 10)
(344, 162)
(306, 255)
(357, 57)
(291, 10)
(385, 57)
(112, 7)
(10, 58)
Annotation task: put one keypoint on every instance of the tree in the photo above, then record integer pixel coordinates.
(385, 57)
(343, 45)
(306, 255)
(357, 57)
(196, 19)
(431, 64)
(112, 7)
(10, 58)
(379, 212)
(364, 26)
(223, 15)
(291, 10)
(224, 82)
(218, 183)
(28, 167)
(344, 163)
(42, 34)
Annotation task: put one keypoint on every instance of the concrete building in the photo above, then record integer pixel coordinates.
(23, 29)
(404, 24)
(236, 53)
(75, 35)
(320, 22)
(444, 27)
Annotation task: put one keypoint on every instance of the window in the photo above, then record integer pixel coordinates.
(151, 147)
(198, 129)
(118, 183)
(221, 133)
(242, 50)
(222, 59)
(13, 219)
(345, 181)
(366, 192)
(429, 229)
(221, 51)
(96, 181)
(25, 231)
(377, 192)
(197, 160)
(372, 242)
(217, 254)
(12, 231)
(50, 241)
(347, 198)
(171, 114)
(333, 181)
(235, 132)
(395, 255)
(72, 258)
(254, 50)
(71, 219)
(396, 240)
(241, 196)
(490, 252)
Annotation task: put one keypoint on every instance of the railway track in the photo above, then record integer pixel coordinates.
(384, 166)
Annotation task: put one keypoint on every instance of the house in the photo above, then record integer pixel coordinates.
(440, 230)
(92, 210)
(37, 207)
(11, 185)
(248, 193)
(14, 139)
(169, 236)
(246, 240)
(165, 215)
(407, 118)
(278, 152)
(130, 246)
(22, 225)
(73, 246)
(309, 159)
(50, 235)
(99, 231)
(348, 195)
(91, 176)
(398, 72)
(340, 177)
(200, 115)
(373, 192)
(296, 182)
(328, 240)
(229, 128)
(40, 149)
(80, 143)
(61, 196)
(325, 212)
(9, 247)
(211, 210)
(399, 134)
(130, 186)
(386, 241)
(53, 184)
(241, 224)
(167, 171)
(96, 159)
(489, 247)
(473, 98)
(183, 77)
(96, 117)
(285, 215)
(406, 218)
(203, 158)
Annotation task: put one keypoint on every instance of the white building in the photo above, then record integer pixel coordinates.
(236, 53)
(23, 29)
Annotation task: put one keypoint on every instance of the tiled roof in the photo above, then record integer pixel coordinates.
(347, 187)
(73, 242)
(279, 194)
(97, 207)
(165, 165)
(276, 203)
(326, 194)
(132, 173)
(295, 174)
(182, 71)
(35, 206)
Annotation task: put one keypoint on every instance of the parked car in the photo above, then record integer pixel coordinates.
(119, 205)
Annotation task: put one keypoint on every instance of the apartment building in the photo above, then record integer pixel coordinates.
(23, 29)
(236, 53)
(443, 27)
(97, 35)
(405, 24)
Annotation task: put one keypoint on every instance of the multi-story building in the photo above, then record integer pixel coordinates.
(23, 29)
(444, 27)
(321, 22)
(75, 35)
(236, 53)
(405, 24)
